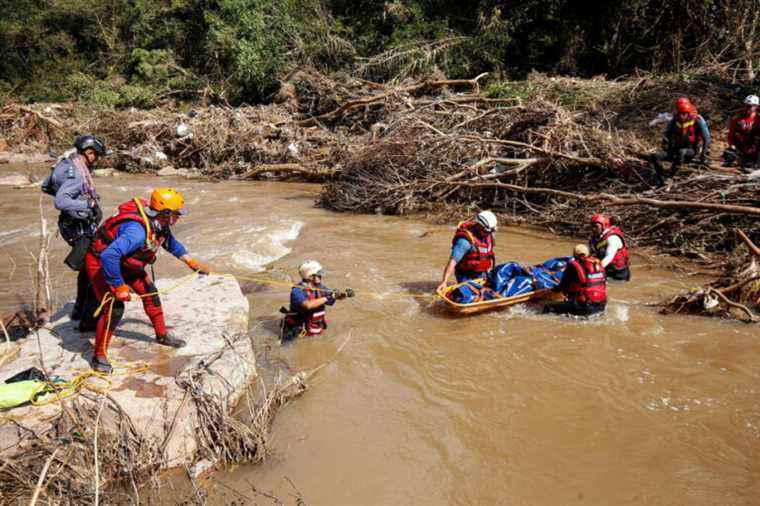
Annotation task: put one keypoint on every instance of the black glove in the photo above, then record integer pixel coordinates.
(349, 293)
(330, 296)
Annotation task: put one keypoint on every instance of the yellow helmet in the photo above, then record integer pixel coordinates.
(167, 199)
(581, 250)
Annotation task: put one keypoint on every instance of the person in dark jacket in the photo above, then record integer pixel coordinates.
(70, 182)
(686, 138)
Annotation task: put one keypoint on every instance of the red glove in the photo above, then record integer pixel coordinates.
(122, 293)
(197, 266)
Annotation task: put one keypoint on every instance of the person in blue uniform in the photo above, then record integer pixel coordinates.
(70, 182)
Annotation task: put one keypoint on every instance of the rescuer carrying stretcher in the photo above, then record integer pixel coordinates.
(308, 301)
(607, 243)
(472, 254)
(584, 284)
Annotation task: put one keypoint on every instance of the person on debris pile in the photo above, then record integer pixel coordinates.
(686, 138)
(122, 248)
(607, 243)
(70, 182)
(472, 249)
(584, 285)
(744, 136)
(308, 299)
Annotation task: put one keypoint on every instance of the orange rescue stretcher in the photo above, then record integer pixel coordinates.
(495, 303)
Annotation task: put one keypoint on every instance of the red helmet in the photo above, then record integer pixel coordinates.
(683, 104)
(601, 219)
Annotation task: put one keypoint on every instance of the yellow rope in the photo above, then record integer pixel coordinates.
(288, 284)
(58, 391)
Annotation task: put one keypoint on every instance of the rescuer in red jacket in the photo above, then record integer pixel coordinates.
(584, 284)
(744, 136)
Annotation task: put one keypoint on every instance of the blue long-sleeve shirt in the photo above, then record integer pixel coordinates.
(299, 295)
(460, 249)
(130, 237)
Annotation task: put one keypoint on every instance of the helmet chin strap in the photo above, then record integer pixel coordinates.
(156, 224)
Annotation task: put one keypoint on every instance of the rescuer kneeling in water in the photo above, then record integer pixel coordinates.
(472, 254)
(123, 246)
(584, 285)
(607, 243)
(306, 316)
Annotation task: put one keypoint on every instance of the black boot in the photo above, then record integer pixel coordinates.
(101, 364)
(170, 340)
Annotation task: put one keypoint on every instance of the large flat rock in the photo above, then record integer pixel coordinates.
(208, 312)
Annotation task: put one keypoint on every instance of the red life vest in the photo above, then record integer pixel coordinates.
(591, 284)
(481, 258)
(685, 134)
(107, 233)
(599, 247)
(312, 321)
(740, 133)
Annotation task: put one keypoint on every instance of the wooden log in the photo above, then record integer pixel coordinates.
(283, 168)
(753, 248)
(614, 200)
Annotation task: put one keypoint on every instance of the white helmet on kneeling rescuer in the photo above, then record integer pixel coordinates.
(752, 100)
(487, 220)
(310, 268)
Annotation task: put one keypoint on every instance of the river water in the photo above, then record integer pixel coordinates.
(420, 407)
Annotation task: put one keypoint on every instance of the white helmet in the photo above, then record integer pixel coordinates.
(310, 268)
(487, 220)
(752, 100)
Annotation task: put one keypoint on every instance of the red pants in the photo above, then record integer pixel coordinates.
(140, 282)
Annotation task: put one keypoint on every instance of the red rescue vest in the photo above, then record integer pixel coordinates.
(106, 234)
(599, 247)
(741, 132)
(311, 320)
(685, 134)
(591, 284)
(481, 258)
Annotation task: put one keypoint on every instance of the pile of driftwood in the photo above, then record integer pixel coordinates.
(552, 153)
(736, 293)
(541, 164)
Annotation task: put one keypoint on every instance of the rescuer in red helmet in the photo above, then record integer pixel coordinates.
(687, 137)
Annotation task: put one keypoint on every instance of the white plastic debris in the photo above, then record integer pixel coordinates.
(709, 301)
(293, 149)
(160, 156)
(183, 129)
(663, 117)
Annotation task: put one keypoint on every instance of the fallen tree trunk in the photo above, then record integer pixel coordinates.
(286, 169)
(615, 200)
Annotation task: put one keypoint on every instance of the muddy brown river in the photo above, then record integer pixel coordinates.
(510, 407)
